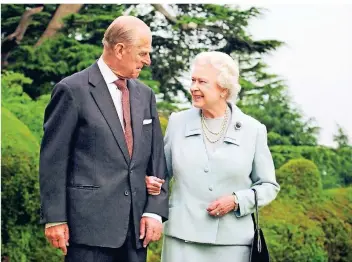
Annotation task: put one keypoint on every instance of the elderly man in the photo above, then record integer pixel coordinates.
(101, 137)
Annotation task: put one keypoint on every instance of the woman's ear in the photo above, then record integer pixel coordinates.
(224, 93)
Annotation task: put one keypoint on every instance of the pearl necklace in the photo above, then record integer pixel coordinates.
(220, 133)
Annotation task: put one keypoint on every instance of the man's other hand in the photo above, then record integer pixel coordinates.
(150, 230)
(58, 236)
(154, 185)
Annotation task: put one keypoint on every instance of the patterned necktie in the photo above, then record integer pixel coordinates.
(121, 85)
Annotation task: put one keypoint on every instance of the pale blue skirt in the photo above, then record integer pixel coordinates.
(178, 250)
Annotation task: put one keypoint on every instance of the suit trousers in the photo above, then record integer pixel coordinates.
(126, 253)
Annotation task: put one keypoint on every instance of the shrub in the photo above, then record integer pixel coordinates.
(334, 213)
(290, 234)
(30, 112)
(300, 180)
(22, 236)
(335, 166)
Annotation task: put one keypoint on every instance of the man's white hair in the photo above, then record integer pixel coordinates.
(228, 70)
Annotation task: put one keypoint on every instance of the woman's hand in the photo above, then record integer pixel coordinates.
(154, 185)
(222, 206)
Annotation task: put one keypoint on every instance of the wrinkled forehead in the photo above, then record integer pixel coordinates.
(143, 41)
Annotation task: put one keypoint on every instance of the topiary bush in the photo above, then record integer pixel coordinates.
(30, 112)
(22, 236)
(299, 180)
(335, 166)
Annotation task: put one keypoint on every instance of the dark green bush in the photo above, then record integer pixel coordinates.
(335, 166)
(345, 153)
(290, 234)
(306, 223)
(334, 213)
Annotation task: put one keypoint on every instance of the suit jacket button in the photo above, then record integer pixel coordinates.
(206, 170)
(211, 188)
(126, 193)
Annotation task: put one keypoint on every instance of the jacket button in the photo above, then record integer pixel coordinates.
(126, 193)
(206, 170)
(210, 188)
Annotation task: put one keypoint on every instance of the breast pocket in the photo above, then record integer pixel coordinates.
(147, 129)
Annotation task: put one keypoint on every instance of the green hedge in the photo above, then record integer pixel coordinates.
(335, 166)
(334, 213)
(291, 235)
(22, 236)
(306, 223)
(30, 112)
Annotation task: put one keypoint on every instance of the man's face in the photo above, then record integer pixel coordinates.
(136, 56)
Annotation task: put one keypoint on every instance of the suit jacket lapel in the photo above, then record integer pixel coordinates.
(103, 99)
(136, 114)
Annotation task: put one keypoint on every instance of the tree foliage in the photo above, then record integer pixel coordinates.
(341, 138)
(266, 98)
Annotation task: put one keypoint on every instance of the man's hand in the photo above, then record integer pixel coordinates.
(222, 206)
(150, 230)
(58, 236)
(154, 185)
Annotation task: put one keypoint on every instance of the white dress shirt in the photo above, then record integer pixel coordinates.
(116, 96)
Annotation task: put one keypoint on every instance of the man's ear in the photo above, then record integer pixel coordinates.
(119, 50)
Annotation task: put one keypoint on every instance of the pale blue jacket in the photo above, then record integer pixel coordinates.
(242, 162)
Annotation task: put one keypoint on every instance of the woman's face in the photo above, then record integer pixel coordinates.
(206, 94)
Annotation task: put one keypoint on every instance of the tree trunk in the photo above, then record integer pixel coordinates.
(56, 22)
(14, 39)
(189, 26)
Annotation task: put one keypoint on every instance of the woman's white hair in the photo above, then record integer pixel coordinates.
(228, 70)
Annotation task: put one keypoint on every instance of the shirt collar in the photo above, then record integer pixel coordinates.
(108, 75)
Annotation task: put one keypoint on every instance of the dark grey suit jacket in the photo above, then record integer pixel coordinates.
(86, 175)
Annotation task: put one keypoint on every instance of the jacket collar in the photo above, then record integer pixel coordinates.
(234, 131)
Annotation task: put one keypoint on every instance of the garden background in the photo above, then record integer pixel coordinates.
(311, 220)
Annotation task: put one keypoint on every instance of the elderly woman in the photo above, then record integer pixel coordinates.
(216, 154)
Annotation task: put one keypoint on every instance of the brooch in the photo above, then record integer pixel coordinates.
(238, 126)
